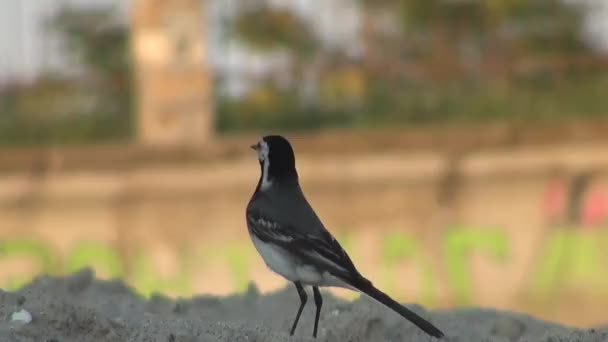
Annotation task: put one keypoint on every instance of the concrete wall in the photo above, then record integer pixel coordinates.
(511, 228)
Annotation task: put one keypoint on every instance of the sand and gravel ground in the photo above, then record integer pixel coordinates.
(81, 308)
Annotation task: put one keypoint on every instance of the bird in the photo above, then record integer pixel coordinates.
(294, 243)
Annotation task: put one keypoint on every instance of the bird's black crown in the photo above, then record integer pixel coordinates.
(281, 157)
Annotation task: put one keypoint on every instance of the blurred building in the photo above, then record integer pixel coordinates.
(173, 80)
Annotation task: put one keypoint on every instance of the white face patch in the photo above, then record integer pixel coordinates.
(263, 152)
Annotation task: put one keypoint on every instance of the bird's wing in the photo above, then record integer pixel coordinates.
(318, 249)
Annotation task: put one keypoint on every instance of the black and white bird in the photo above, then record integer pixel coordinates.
(293, 242)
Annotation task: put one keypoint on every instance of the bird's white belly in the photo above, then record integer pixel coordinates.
(281, 262)
(276, 259)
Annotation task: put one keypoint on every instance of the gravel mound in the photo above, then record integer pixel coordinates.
(81, 308)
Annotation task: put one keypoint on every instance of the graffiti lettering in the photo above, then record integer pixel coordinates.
(567, 257)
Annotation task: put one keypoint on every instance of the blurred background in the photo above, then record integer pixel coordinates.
(457, 148)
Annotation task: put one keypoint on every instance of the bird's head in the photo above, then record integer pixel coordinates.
(277, 160)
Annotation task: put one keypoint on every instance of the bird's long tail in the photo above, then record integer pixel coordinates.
(366, 287)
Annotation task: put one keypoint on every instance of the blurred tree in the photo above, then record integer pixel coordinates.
(266, 28)
(424, 61)
(94, 38)
(450, 34)
(430, 61)
(269, 30)
(99, 46)
(90, 101)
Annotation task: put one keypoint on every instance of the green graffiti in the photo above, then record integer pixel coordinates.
(459, 244)
(38, 251)
(238, 257)
(398, 247)
(571, 257)
(103, 258)
(146, 278)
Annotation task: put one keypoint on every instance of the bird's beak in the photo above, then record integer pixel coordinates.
(254, 147)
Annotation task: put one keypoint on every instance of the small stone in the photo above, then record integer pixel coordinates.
(508, 327)
(159, 303)
(21, 316)
(252, 290)
(80, 281)
(180, 307)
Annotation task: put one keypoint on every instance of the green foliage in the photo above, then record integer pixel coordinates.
(58, 111)
(272, 108)
(93, 104)
(537, 99)
(94, 39)
(266, 29)
(442, 62)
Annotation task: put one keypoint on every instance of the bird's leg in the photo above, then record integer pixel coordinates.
(318, 303)
(303, 299)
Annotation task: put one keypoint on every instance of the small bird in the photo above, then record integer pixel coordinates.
(293, 241)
